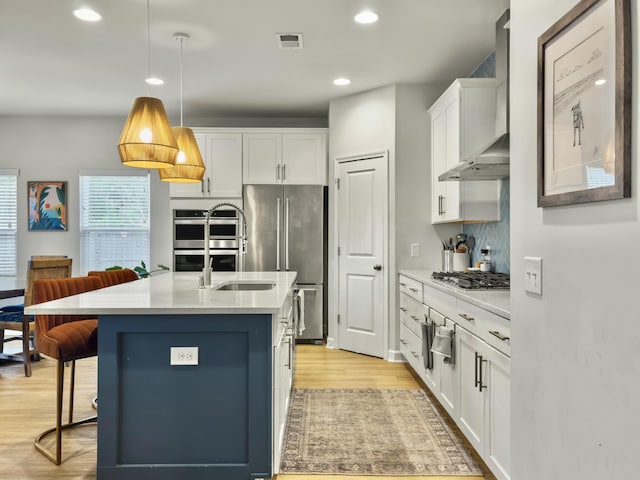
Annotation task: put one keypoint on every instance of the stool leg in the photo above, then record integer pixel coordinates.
(72, 389)
(26, 355)
(60, 389)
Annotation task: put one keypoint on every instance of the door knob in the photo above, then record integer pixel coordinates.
(377, 267)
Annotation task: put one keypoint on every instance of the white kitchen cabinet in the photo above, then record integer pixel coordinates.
(285, 158)
(485, 406)
(282, 378)
(475, 390)
(462, 121)
(222, 156)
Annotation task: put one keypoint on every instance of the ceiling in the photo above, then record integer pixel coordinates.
(53, 63)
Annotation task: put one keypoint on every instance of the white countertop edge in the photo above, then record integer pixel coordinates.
(176, 294)
(494, 301)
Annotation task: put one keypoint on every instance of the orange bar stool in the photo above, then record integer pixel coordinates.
(65, 338)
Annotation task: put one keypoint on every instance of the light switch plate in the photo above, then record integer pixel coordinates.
(184, 356)
(415, 249)
(533, 275)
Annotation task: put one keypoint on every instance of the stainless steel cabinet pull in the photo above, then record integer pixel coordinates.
(377, 267)
(286, 233)
(402, 309)
(440, 204)
(480, 385)
(415, 318)
(289, 355)
(466, 317)
(476, 369)
(278, 172)
(414, 290)
(403, 284)
(414, 354)
(403, 342)
(497, 334)
(208, 184)
(202, 186)
(284, 172)
(278, 201)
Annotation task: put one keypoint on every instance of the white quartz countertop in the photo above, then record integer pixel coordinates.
(495, 301)
(177, 293)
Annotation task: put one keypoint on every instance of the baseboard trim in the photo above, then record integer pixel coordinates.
(395, 356)
(331, 343)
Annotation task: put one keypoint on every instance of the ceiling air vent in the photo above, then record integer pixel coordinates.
(289, 40)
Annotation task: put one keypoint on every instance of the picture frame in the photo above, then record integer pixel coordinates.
(47, 206)
(584, 105)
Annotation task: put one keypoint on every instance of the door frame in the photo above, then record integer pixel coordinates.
(333, 334)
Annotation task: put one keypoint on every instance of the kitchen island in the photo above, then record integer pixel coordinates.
(212, 408)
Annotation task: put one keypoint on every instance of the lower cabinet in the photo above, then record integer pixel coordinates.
(475, 390)
(282, 380)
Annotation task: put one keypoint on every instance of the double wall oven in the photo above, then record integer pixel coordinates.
(188, 240)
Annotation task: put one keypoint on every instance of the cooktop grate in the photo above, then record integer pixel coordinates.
(475, 280)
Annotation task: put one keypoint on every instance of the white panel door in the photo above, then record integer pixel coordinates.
(362, 211)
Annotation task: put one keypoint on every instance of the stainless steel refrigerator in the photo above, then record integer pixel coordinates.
(286, 230)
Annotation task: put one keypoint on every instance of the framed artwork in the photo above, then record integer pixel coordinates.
(47, 206)
(584, 105)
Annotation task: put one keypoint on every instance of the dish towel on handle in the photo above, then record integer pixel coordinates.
(444, 344)
(428, 331)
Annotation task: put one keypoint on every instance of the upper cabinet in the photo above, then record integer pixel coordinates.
(287, 158)
(462, 121)
(222, 155)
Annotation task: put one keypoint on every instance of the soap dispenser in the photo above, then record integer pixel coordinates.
(485, 259)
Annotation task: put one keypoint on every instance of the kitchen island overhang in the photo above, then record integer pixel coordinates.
(213, 420)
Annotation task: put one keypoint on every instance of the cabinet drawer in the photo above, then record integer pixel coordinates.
(443, 302)
(411, 347)
(482, 323)
(411, 287)
(412, 313)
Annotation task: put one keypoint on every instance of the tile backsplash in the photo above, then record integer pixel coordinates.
(494, 234)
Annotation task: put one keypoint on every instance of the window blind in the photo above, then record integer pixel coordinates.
(8, 220)
(114, 221)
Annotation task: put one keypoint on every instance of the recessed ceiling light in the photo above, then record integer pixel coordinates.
(366, 16)
(341, 82)
(600, 81)
(87, 15)
(154, 81)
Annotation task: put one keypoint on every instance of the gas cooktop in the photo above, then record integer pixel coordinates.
(474, 280)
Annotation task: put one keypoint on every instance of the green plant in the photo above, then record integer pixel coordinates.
(141, 269)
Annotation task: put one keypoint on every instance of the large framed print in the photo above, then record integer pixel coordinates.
(584, 105)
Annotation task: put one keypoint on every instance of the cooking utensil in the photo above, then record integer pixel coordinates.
(471, 242)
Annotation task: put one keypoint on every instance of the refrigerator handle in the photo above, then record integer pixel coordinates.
(286, 234)
(278, 201)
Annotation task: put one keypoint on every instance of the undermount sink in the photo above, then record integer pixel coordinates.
(242, 286)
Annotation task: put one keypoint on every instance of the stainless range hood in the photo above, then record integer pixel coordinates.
(492, 161)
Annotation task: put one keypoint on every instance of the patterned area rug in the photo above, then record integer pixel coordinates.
(371, 432)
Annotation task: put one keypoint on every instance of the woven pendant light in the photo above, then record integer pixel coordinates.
(189, 167)
(147, 140)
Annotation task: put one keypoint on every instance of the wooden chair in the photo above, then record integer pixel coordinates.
(15, 319)
(114, 277)
(65, 338)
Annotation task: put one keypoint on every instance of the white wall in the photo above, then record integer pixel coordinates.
(393, 119)
(576, 354)
(57, 148)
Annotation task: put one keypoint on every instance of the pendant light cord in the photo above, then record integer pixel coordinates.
(181, 40)
(148, 43)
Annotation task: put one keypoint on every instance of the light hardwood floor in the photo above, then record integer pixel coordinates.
(28, 406)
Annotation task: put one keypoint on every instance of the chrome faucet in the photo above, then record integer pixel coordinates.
(206, 270)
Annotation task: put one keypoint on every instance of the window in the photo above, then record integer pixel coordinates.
(8, 220)
(114, 221)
